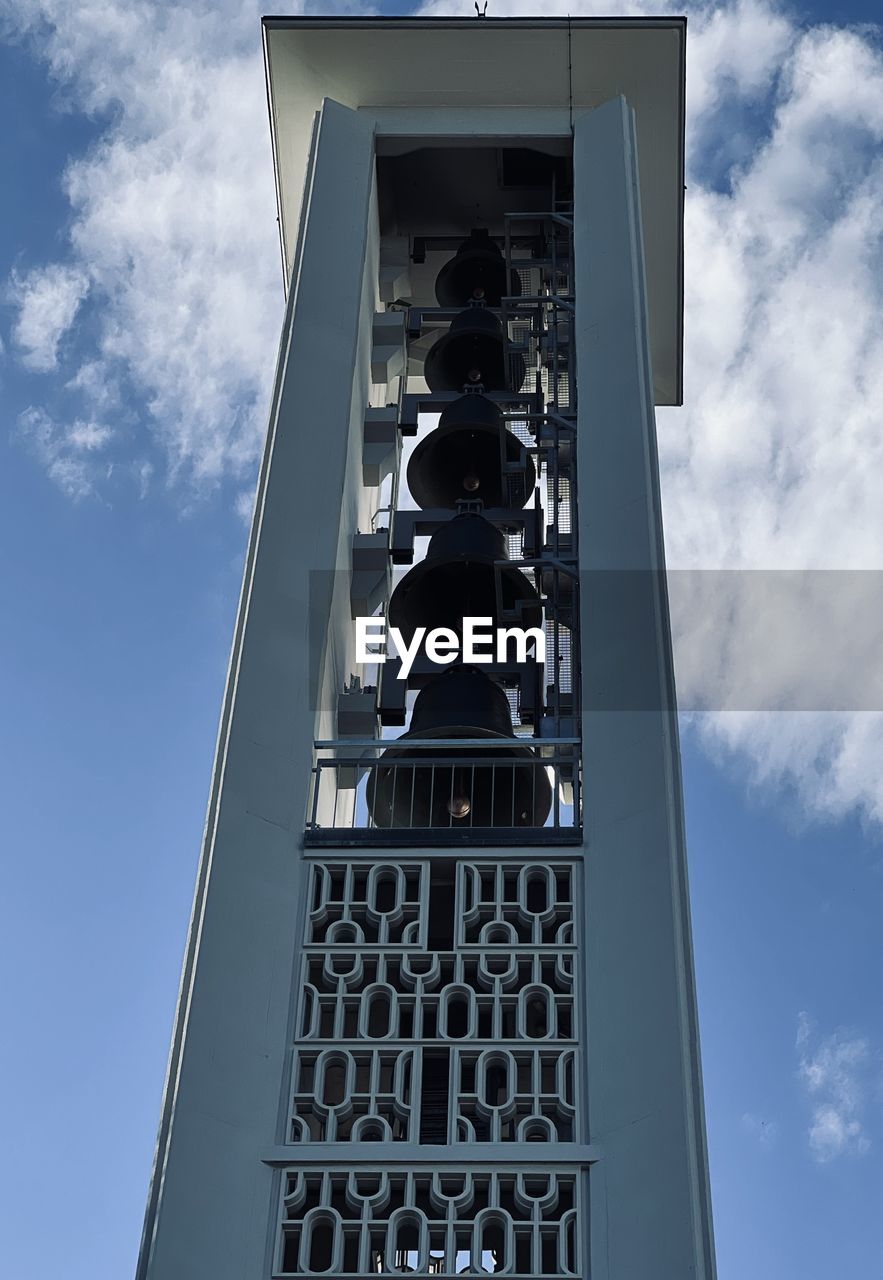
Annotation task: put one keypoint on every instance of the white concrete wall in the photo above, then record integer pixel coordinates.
(650, 1215)
(210, 1202)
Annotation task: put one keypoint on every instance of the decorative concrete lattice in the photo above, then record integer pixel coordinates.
(359, 903)
(514, 1095)
(409, 1095)
(363, 1095)
(495, 995)
(437, 1009)
(508, 903)
(456, 1222)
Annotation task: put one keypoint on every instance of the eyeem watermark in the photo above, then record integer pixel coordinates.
(480, 641)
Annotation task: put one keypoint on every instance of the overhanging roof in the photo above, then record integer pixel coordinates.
(532, 72)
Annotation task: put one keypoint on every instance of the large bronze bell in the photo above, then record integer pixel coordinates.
(457, 787)
(456, 581)
(472, 353)
(463, 459)
(477, 272)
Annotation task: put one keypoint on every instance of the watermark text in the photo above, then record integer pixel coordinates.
(480, 641)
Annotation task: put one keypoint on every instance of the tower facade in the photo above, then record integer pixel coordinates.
(437, 1014)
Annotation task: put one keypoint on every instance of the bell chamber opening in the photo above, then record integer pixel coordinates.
(480, 513)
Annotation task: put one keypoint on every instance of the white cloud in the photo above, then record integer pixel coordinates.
(773, 463)
(776, 460)
(244, 506)
(544, 9)
(66, 450)
(174, 221)
(833, 1072)
(144, 474)
(97, 384)
(47, 300)
(88, 436)
(736, 51)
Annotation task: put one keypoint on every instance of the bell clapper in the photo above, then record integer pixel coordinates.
(459, 806)
(460, 802)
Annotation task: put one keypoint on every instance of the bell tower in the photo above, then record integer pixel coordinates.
(437, 1015)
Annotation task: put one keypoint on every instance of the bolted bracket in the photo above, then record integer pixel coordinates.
(380, 445)
(357, 710)
(387, 346)
(370, 581)
(395, 269)
(391, 694)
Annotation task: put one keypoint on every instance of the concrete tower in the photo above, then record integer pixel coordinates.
(437, 1014)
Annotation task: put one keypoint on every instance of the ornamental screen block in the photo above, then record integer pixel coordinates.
(446, 1021)
(460, 1222)
(437, 1007)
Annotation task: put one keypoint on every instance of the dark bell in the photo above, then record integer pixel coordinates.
(477, 272)
(471, 353)
(460, 787)
(462, 696)
(463, 458)
(456, 580)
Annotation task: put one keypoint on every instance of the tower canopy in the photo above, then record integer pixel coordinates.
(435, 81)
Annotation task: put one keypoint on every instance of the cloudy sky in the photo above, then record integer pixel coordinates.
(141, 301)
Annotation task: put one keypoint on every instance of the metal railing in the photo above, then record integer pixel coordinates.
(445, 791)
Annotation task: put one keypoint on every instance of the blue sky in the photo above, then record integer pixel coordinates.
(139, 329)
